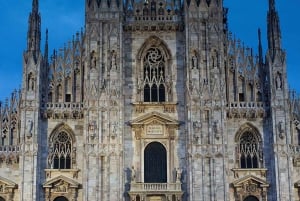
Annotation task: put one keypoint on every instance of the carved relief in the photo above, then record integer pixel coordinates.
(7, 188)
(250, 186)
(280, 128)
(92, 128)
(61, 186)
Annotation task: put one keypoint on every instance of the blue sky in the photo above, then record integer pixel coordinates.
(64, 18)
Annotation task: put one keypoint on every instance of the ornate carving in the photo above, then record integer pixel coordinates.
(61, 187)
(280, 128)
(92, 127)
(248, 110)
(62, 110)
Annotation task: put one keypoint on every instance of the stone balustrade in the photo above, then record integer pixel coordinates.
(246, 109)
(65, 105)
(246, 105)
(156, 187)
(10, 149)
(65, 110)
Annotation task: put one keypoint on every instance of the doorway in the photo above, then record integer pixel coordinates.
(155, 163)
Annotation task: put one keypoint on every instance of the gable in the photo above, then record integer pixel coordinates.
(250, 179)
(61, 181)
(7, 183)
(154, 118)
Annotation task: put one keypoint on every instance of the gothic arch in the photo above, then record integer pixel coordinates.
(61, 198)
(157, 42)
(155, 163)
(251, 198)
(249, 148)
(250, 128)
(63, 127)
(61, 148)
(154, 81)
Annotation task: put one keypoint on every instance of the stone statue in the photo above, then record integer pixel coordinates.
(93, 61)
(29, 128)
(133, 174)
(281, 129)
(113, 60)
(194, 62)
(178, 174)
(278, 81)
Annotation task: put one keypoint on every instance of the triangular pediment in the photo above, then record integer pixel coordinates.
(8, 183)
(154, 118)
(61, 180)
(250, 179)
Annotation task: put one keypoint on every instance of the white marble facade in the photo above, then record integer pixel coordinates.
(153, 101)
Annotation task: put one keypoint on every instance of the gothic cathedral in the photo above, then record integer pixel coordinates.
(153, 101)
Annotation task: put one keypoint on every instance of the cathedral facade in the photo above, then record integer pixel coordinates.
(152, 101)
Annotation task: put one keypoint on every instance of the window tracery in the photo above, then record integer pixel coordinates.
(154, 76)
(61, 151)
(249, 150)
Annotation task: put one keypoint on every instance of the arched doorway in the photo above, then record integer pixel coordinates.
(61, 198)
(251, 198)
(155, 163)
(2, 199)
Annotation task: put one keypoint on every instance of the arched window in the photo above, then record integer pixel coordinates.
(2, 199)
(61, 198)
(249, 150)
(154, 76)
(61, 151)
(155, 163)
(251, 198)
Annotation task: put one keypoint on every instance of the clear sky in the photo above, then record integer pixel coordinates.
(64, 18)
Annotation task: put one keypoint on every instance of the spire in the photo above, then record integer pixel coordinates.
(35, 6)
(274, 33)
(46, 47)
(34, 29)
(260, 50)
(272, 5)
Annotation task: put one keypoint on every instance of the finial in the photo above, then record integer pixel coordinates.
(46, 46)
(271, 4)
(35, 6)
(260, 50)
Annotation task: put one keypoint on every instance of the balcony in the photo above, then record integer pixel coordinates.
(247, 110)
(155, 191)
(155, 187)
(10, 149)
(66, 110)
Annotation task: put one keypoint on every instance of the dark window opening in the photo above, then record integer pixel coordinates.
(147, 93)
(154, 97)
(154, 76)
(251, 198)
(241, 97)
(61, 198)
(60, 153)
(249, 151)
(155, 164)
(162, 97)
(68, 98)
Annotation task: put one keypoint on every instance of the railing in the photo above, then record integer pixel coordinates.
(157, 187)
(9, 148)
(246, 105)
(65, 105)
